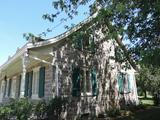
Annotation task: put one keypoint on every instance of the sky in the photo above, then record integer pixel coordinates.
(25, 16)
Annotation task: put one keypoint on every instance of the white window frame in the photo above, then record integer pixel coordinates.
(88, 93)
(2, 90)
(13, 88)
(35, 83)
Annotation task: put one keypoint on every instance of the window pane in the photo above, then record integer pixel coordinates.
(35, 82)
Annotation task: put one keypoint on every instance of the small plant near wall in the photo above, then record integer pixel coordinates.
(55, 107)
(5, 112)
(22, 108)
(40, 110)
(113, 112)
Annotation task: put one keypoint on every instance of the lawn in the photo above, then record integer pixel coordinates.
(146, 101)
(146, 111)
(149, 113)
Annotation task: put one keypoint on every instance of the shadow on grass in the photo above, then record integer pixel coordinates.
(148, 98)
(144, 111)
(149, 113)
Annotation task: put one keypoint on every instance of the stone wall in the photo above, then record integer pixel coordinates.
(107, 69)
(48, 82)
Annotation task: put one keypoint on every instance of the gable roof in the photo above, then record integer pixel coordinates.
(61, 37)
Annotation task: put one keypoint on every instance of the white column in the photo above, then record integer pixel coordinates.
(24, 62)
(2, 90)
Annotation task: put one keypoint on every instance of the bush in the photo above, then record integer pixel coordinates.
(22, 108)
(113, 112)
(5, 112)
(40, 110)
(55, 107)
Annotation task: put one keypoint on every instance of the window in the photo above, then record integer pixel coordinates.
(124, 83)
(88, 81)
(28, 84)
(7, 87)
(19, 85)
(35, 83)
(130, 77)
(41, 82)
(78, 83)
(85, 41)
(13, 89)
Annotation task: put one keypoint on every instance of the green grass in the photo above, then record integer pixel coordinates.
(147, 101)
(145, 111)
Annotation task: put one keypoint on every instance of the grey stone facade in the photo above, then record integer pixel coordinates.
(58, 75)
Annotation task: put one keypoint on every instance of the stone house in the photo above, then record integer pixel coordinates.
(94, 81)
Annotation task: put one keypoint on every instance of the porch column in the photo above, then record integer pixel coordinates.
(24, 62)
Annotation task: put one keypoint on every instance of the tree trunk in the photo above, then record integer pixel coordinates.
(145, 94)
(123, 47)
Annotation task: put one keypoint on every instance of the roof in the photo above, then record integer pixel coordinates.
(54, 40)
(61, 36)
(49, 41)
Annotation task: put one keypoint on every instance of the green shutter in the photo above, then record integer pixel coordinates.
(121, 82)
(76, 82)
(30, 84)
(41, 82)
(129, 78)
(94, 82)
(9, 87)
(19, 86)
(26, 84)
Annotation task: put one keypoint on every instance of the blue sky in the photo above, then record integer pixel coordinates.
(23, 16)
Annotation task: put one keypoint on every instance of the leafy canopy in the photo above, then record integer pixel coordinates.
(135, 20)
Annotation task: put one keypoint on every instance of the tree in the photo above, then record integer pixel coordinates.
(135, 20)
(148, 79)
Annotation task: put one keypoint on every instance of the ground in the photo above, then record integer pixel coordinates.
(149, 113)
(146, 111)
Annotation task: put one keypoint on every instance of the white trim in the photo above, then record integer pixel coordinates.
(63, 35)
(14, 57)
(35, 83)
(13, 88)
(41, 60)
(87, 94)
(2, 90)
(35, 97)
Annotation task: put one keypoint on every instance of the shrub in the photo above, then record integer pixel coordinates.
(55, 107)
(40, 110)
(113, 112)
(5, 112)
(22, 108)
